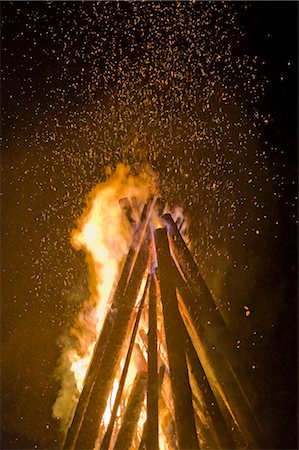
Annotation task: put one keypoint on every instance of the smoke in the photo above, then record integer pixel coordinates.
(103, 232)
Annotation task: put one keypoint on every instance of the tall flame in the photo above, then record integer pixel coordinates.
(103, 232)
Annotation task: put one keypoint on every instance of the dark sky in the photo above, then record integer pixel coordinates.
(206, 93)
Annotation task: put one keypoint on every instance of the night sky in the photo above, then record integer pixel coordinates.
(206, 94)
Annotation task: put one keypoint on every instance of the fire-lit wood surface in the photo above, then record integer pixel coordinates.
(199, 401)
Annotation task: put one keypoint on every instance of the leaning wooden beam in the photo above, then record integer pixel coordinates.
(210, 405)
(142, 444)
(166, 407)
(166, 416)
(210, 321)
(110, 344)
(108, 434)
(201, 304)
(132, 412)
(84, 429)
(152, 438)
(184, 414)
(224, 387)
(209, 331)
(227, 391)
(206, 436)
(72, 433)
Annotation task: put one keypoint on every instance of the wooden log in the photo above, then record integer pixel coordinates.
(109, 323)
(142, 444)
(166, 407)
(108, 434)
(108, 351)
(206, 437)
(200, 303)
(184, 414)
(132, 412)
(210, 405)
(152, 439)
(166, 416)
(111, 345)
(214, 340)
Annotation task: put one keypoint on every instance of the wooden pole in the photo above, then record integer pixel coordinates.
(108, 434)
(142, 444)
(206, 435)
(213, 341)
(111, 345)
(210, 405)
(184, 414)
(204, 310)
(152, 436)
(201, 304)
(111, 320)
(132, 412)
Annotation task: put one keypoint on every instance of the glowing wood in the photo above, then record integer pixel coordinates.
(132, 412)
(152, 425)
(92, 402)
(108, 434)
(110, 346)
(209, 403)
(198, 345)
(142, 444)
(213, 341)
(184, 414)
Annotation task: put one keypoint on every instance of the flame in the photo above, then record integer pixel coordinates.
(111, 399)
(80, 365)
(103, 232)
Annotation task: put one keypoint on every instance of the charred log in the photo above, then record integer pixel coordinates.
(111, 345)
(84, 428)
(210, 408)
(208, 329)
(184, 414)
(152, 439)
(132, 413)
(108, 434)
(142, 444)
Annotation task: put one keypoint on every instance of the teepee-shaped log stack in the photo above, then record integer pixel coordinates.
(189, 390)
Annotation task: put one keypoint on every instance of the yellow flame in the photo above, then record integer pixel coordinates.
(80, 365)
(111, 399)
(103, 232)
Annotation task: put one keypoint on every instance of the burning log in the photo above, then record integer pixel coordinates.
(142, 445)
(108, 434)
(210, 317)
(213, 341)
(92, 402)
(111, 344)
(184, 414)
(165, 406)
(152, 439)
(206, 435)
(132, 413)
(201, 304)
(198, 345)
(210, 406)
(167, 399)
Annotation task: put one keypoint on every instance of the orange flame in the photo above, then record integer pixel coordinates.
(103, 232)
